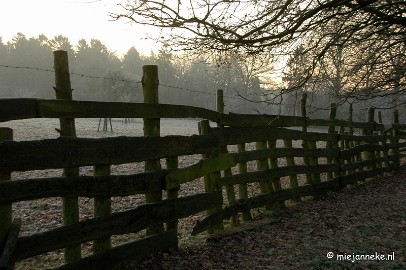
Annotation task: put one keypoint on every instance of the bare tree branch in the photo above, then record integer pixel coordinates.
(354, 46)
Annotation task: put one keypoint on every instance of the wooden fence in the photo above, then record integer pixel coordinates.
(347, 153)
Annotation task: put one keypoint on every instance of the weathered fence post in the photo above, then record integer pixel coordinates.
(242, 188)
(172, 163)
(368, 155)
(210, 180)
(6, 214)
(371, 119)
(305, 143)
(290, 161)
(350, 119)
(342, 132)
(381, 154)
(8, 250)
(343, 146)
(395, 142)
(331, 130)
(102, 207)
(150, 84)
(262, 165)
(314, 162)
(204, 128)
(227, 172)
(63, 91)
(273, 164)
(351, 143)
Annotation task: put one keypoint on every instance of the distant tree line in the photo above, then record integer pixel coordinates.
(99, 74)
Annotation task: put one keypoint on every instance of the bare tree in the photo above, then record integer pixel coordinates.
(373, 31)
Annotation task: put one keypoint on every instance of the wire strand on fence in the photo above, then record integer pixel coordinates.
(108, 78)
(236, 97)
(314, 109)
(196, 91)
(26, 67)
(70, 73)
(103, 78)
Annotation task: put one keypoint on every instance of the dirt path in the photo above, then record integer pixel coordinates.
(365, 219)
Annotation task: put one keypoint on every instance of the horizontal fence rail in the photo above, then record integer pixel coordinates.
(118, 223)
(37, 155)
(26, 108)
(82, 186)
(140, 248)
(51, 153)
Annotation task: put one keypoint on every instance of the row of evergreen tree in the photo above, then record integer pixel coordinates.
(100, 74)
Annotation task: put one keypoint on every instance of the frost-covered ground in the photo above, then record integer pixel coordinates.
(35, 129)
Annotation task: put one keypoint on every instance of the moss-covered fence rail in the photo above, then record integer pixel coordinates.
(242, 152)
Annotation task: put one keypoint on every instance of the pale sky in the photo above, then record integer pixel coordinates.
(75, 19)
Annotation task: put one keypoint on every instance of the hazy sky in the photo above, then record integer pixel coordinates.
(75, 19)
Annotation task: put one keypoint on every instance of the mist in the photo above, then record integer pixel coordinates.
(99, 74)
